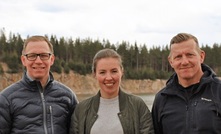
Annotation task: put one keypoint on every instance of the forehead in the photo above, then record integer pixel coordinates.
(37, 46)
(108, 63)
(184, 47)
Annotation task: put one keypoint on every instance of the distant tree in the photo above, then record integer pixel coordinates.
(56, 66)
(3, 42)
(77, 54)
(66, 69)
(19, 44)
(1, 69)
(144, 57)
(122, 49)
(13, 62)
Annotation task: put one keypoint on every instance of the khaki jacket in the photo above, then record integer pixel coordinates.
(134, 115)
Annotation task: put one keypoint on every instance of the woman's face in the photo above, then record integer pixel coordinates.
(108, 74)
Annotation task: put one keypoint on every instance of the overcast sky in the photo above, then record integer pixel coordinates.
(150, 22)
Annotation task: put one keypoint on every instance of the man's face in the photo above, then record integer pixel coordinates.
(186, 60)
(38, 69)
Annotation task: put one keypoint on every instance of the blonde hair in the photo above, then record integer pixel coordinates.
(35, 39)
(105, 53)
(180, 37)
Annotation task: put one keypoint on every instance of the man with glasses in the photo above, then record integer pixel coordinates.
(37, 103)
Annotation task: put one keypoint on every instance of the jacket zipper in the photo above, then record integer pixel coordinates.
(44, 113)
(51, 114)
(187, 117)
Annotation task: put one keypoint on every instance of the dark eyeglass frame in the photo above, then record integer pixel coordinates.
(33, 56)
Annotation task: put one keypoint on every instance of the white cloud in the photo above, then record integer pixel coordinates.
(151, 22)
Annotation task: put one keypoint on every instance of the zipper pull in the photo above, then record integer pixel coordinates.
(42, 96)
(195, 103)
(187, 108)
(50, 109)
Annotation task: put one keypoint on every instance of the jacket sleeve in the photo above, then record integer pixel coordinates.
(5, 118)
(156, 116)
(145, 118)
(74, 126)
(72, 107)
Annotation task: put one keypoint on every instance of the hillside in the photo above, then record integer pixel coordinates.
(87, 84)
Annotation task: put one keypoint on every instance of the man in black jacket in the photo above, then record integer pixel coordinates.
(191, 101)
(37, 103)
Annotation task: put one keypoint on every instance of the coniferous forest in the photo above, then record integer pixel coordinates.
(139, 61)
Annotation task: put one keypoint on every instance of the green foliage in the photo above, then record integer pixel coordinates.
(56, 67)
(80, 68)
(13, 62)
(66, 69)
(77, 54)
(1, 69)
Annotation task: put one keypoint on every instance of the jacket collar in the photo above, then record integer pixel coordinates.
(207, 77)
(33, 84)
(122, 100)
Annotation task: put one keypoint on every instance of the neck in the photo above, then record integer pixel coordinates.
(190, 81)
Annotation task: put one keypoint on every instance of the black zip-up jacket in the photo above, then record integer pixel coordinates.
(25, 108)
(200, 113)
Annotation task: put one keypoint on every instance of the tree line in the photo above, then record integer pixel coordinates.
(76, 55)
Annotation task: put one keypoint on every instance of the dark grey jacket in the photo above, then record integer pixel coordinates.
(173, 113)
(134, 115)
(26, 109)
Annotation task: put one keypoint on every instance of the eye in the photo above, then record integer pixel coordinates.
(190, 55)
(114, 71)
(178, 57)
(31, 55)
(45, 56)
(101, 72)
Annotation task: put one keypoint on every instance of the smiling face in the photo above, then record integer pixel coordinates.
(186, 60)
(108, 74)
(38, 69)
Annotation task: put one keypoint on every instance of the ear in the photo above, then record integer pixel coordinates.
(170, 61)
(94, 74)
(122, 73)
(52, 59)
(23, 60)
(202, 56)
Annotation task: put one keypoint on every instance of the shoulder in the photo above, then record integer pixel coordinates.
(61, 86)
(217, 80)
(132, 98)
(160, 98)
(135, 98)
(215, 83)
(12, 89)
(84, 105)
(63, 90)
(159, 94)
(87, 102)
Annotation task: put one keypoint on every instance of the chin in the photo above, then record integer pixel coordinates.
(38, 76)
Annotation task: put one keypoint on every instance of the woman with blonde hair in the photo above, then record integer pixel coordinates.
(111, 110)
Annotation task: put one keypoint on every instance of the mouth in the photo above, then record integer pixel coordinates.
(183, 68)
(38, 68)
(109, 84)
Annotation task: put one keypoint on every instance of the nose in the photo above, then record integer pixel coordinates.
(184, 60)
(38, 59)
(108, 76)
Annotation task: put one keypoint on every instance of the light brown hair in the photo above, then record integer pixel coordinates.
(36, 38)
(180, 37)
(105, 53)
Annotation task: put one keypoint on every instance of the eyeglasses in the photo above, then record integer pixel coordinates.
(33, 56)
